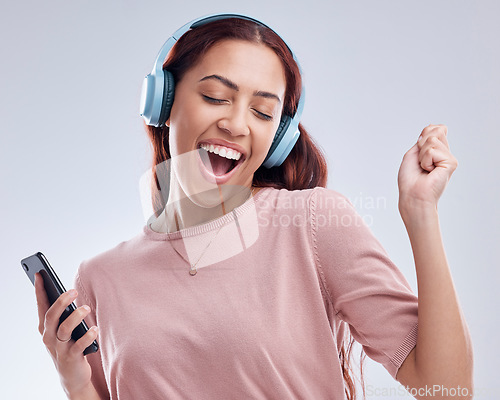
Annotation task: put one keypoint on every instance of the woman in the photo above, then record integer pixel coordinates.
(263, 312)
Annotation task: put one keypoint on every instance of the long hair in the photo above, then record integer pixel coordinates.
(304, 168)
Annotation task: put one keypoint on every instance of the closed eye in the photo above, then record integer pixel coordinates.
(264, 116)
(220, 101)
(212, 100)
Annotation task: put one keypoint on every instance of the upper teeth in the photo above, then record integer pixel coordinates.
(222, 151)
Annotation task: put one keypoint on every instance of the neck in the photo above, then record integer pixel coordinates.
(184, 211)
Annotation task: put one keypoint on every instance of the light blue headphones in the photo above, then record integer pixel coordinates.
(157, 95)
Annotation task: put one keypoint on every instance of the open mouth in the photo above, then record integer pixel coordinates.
(218, 164)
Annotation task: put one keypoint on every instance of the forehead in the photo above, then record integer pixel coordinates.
(250, 65)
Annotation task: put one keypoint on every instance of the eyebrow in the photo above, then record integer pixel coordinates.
(235, 87)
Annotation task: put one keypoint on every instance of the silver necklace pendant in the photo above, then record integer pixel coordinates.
(193, 269)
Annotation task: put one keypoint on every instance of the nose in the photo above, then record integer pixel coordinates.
(235, 122)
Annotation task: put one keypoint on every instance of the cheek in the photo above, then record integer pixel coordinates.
(186, 126)
(263, 143)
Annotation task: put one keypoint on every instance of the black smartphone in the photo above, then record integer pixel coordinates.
(54, 288)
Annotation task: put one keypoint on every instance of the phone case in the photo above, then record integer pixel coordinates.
(54, 288)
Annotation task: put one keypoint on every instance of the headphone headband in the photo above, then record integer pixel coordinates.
(155, 87)
(162, 54)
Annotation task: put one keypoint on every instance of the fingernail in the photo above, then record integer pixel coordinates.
(86, 307)
(72, 292)
(420, 137)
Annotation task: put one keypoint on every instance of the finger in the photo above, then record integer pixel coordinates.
(432, 127)
(436, 157)
(439, 131)
(69, 324)
(54, 312)
(85, 341)
(42, 301)
(432, 142)
(426, 160)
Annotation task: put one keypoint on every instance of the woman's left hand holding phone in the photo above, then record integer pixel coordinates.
(74, 370)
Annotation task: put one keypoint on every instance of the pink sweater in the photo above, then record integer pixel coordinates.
(265, 314)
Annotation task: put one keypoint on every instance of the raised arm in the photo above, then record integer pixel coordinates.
(442, 360)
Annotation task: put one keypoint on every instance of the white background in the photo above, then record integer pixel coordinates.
(376, 73)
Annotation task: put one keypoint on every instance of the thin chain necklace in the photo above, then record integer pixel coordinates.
(193, 270)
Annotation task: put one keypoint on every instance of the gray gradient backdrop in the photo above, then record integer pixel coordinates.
(376, 72)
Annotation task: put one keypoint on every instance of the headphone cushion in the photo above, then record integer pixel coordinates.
(280, 132)
(168, 96)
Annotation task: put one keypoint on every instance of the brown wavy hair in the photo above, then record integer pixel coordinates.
(304, 168)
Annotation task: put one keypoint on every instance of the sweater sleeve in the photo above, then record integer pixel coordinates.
(363, 285)
(94, 359)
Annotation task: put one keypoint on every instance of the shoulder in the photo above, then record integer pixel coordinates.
(316, 198)
(274, 197)
(331, 202)
(314, 208)
(112, 258)
(333, 212)
(331, 198)
(96, 276)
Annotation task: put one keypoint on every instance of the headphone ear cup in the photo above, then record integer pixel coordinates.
(278, 136)
(168, 97)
